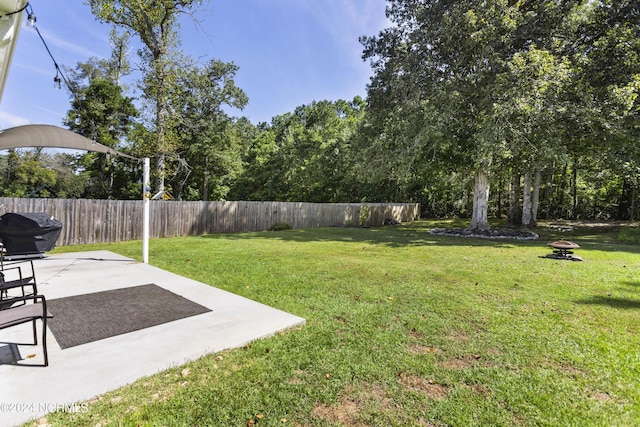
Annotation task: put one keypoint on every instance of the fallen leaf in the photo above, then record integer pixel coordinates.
(259, 416)
(31, 356)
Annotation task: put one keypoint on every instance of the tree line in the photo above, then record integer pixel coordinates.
(525, 110)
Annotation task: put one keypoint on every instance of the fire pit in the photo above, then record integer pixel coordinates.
(563, 249)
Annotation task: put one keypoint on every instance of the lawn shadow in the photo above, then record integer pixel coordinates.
(622, 303)
(408, 234)
(632, 283)
(417, 234)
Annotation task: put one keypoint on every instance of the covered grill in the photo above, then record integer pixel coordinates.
(28, 233)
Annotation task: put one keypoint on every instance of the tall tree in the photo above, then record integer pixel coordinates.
(101, 113)
(527, 111)
(211, 142)
(156, 24)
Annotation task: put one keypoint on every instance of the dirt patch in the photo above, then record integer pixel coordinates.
(458, 337)
(460, 363)
(565, 368)
(481, 389)
(416, 334)
(603, 397)
(571, 370)
(298, 377)
(340, 319)
(428, 387)
(353, 401)
(346, 413)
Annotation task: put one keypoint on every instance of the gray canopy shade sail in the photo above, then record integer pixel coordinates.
(56, 137)
(52, 137)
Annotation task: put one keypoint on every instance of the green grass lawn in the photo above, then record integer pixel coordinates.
(403, 328)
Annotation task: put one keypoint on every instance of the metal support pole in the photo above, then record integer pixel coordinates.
(146, 195)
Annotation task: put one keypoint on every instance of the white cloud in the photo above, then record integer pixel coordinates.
(69, 30)
(12, 120)
(346, 21)
(54, 41)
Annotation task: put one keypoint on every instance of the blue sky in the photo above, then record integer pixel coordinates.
(290, 52)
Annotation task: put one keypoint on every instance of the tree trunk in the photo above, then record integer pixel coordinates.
(561, 204)
(500, 188)
(162, 113)
(535, 202)
(161, 141)
(513, 219)
(160, 172)
(549, 189)
(205, 184)
(632, 208)
(526, 199)
(479, 217)
(574, 190)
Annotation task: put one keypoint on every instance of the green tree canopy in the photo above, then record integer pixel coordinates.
(210, 142)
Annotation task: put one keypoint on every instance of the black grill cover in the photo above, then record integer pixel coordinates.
(28, 233)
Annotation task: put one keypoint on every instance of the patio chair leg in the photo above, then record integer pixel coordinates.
(35, 332)
(44, 340)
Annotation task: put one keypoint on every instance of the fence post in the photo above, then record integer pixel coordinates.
(146, 195)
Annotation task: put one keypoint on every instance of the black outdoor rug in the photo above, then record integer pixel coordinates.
(81, 319)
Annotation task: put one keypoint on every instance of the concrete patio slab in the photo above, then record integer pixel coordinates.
(80, 373)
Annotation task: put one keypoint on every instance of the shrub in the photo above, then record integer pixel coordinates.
(280, 226)
(364, 215)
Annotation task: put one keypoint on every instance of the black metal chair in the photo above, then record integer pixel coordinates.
(12, 278)
(12, 315)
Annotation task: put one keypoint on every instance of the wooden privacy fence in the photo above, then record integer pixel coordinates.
(101, 221)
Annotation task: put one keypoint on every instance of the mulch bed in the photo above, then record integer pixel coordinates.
(493, 233)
